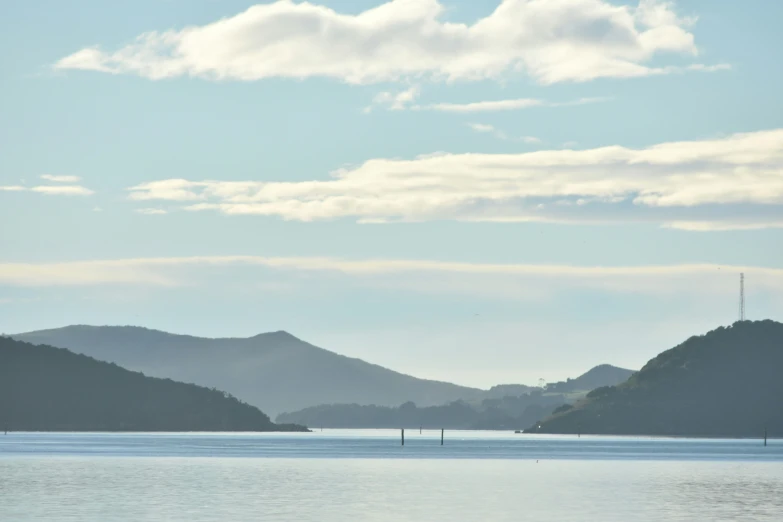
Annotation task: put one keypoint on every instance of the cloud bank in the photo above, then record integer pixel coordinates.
(503, 281)
(725, 183)
(552, 41)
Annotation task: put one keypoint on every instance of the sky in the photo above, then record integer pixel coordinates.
(478, 192)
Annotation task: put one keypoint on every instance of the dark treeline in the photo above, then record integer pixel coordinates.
(727, 383)
(507, 413)
(43, 388)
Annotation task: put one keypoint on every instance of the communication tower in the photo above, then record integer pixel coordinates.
(742, 298)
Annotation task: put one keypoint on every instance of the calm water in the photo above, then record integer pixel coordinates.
(367, 476)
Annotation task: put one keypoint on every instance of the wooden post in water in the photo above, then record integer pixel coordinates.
(441, 437)
(402, 435)
(419, 430)
(765, 436)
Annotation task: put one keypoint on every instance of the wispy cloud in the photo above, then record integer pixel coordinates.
(705, 68)
(61, 179)
(490, 129)
(552, 41)
(394, 101)
(151, 211)
(507, 281)
(406, 99)
(63, 190)
(735, 181)
(507, 105)
(481, 127)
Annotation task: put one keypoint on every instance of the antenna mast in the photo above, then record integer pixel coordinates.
(742, 298)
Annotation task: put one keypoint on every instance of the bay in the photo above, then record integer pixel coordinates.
(338, 475)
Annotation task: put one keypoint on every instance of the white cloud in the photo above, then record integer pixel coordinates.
(63, 190)
(151, 211)
(11, 188)
(552, 41)
(735, 181)
(61, 179)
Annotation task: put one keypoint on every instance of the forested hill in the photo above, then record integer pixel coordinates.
(43, 388)
(727, 383)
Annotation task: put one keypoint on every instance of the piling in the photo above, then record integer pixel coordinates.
(402, 436)
(441, 437)
(765, 436)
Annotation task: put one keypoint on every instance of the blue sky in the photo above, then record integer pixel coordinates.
(452, 191)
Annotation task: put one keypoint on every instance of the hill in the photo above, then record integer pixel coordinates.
(726, 383)
(274, 371)
(601, 375)
(43, 388)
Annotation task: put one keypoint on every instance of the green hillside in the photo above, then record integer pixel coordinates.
(727, 383)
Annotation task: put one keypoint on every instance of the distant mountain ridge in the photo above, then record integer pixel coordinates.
(601, 375)
(502, 407)
(273, 371)
(726, 383)
(508, 413)
(43, 388)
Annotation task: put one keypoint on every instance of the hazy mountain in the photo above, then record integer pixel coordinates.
(502, 407)
(273, 371)
(507, 390)
(602, 375)
(725, 383)
(43, 388)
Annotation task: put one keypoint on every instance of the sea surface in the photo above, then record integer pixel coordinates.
(367, 475)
